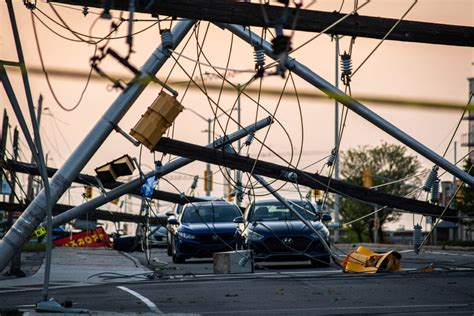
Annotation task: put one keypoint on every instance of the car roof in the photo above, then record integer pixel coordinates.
(217, 202)
(276, 201)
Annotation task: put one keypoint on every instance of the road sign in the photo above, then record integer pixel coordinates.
(6, 189)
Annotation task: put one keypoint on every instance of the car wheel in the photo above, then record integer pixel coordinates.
(321, 262)
(176, 258)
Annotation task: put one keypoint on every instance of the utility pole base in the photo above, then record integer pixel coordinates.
(53, 306)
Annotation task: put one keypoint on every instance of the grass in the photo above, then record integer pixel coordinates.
(33, 247)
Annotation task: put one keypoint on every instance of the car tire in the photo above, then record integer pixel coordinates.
(321, 262)
(176, 258)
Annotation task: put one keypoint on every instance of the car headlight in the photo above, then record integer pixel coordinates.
(254, 236)
(186, 235)
(323, 234)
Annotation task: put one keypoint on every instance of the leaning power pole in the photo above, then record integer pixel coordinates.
(15, 265)
(36, 211)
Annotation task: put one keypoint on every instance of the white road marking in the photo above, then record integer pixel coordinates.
(147, 302)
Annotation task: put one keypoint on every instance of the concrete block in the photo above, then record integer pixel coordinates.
(239, 261)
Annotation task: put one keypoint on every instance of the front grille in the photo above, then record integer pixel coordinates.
(288, 244)
(159, 238)
(213, 238)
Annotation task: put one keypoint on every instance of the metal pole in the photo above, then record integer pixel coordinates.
(238, 187)
(164, 170)
(29, 191)
(208, 165)
(454, 187)
(357, 107)
(35, 147)
(336, 145)
(35, 212)
(3, 143)
(15, 265)
(470, 130)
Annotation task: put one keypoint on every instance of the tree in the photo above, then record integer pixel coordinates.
(465, 196)
(388, 163)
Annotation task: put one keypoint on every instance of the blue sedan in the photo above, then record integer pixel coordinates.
(274, 233)
(202, 229)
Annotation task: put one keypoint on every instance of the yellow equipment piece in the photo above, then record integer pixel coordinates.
(364, 260)
(154, 123)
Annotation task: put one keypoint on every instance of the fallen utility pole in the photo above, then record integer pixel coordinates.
(314, 181)
(160, 172)
(331, 91)
(95, 215)
(22, 167)
(35, 213)
(253, 14)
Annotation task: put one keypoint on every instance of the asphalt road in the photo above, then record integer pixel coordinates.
(279, 289)
(429, 293)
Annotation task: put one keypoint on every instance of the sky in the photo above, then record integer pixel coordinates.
(396, 70)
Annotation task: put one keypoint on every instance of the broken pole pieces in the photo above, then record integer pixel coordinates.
(315, 181)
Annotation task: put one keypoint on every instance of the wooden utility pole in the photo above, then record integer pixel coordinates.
(255, 14)
(314, 181)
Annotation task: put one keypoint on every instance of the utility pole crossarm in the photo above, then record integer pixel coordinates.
(21, 167)
(251, 14)
(95, 215)
(315, 181)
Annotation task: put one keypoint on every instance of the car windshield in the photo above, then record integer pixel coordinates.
(210, 213)
(276, 211)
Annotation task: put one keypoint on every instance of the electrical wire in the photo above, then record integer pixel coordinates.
(458, 124)
(216, 67)
(383, 39)
(40, 55)
(258, 105)
(330, 26)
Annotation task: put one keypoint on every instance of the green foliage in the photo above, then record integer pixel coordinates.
(33, 247)
(388, 163)
(465, 202)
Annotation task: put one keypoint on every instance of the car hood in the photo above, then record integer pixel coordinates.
(208, 228)
(288, 228)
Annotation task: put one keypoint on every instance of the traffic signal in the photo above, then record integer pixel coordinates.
(367, 178)
(460, 192)
(156, 120)
(230, 192)
(109, 172)
(316, 194)
(88, 192)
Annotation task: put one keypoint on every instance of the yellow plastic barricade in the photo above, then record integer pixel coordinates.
(364, 260)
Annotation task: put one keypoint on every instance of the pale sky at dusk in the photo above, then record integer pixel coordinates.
(397, 70)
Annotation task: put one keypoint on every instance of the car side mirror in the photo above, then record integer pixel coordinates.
(173, 221)
(238, 220)
(170, 213)
(326, 218)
